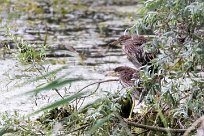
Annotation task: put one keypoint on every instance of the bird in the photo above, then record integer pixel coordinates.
(133, 47)
(128, 77)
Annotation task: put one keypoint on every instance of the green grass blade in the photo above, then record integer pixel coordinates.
(43, 76)
(45, 40)
(3, 130)
(60, 102)
(52, 85)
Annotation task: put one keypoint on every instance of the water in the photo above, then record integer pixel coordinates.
(88, 31)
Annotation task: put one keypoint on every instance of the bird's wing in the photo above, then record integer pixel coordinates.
(129, 50)
(144, 57)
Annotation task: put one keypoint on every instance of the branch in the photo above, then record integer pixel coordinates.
(99, 82)
(161, 129)
(57, 91)
(193, 126)
(82, 127)
(48, 81)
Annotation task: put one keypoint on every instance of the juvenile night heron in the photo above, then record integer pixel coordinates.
(128, 78)
(132, 46)
(127, 75)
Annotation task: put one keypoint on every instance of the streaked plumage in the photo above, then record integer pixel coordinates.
(133, 47)
(127, 77)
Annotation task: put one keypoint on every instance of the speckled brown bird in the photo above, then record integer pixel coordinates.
(132, 47)
(128, 78)
(127, 75)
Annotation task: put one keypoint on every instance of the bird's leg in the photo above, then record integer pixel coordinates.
(133, 105)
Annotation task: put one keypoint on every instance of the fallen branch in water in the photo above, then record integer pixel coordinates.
(153, 128)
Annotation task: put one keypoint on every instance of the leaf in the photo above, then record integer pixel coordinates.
(99, 123)
(43, 76)
(59, 102)
(3, 130)
(54, 84)
(91, 105)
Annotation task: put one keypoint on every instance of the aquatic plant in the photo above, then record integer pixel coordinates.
(27, 52)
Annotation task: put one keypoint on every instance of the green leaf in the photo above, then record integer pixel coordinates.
(54, 84)
(60, 102)
(91, 105)
(43, 76)
(99, 123)
(3, 130)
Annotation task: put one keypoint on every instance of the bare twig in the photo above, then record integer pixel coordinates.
(48, 81)
(142, 117)
(88, 95)
(161, 129)
(98, 82)
(193, 126)
(180, 124)
(82, 127)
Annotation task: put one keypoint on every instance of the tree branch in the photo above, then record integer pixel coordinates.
(99, 82)
(82, 127)
(193, 126)
(161, 129)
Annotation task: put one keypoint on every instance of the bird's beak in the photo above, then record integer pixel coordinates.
(113, 73)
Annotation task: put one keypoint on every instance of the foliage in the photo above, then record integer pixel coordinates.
(178, 29)
(16, 124)
(27, 52)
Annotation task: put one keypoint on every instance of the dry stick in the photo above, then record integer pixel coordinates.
(161, 129)
(180, 124)
(98, 82)
(144, 114)
(82, 127)
(88, 95)
(193, 126)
